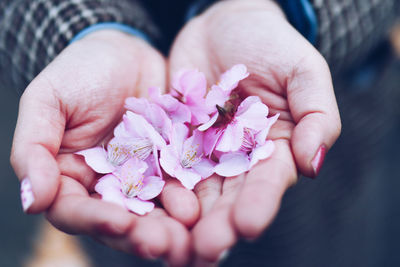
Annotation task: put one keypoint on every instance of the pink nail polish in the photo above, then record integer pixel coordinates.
(27, 197)
(318, 160)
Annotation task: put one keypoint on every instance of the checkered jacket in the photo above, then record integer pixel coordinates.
(33, 32)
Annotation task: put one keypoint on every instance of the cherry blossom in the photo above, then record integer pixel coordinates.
(130, 187)
(184, 159)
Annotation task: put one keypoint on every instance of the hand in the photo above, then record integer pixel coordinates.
(73, 104)
(293, 79)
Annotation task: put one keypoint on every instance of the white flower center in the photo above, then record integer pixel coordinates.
(140, 148)
(117, 154)
(131, 189)
(190, 157)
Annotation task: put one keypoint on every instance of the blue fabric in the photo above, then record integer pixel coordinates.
(112, 26)
(301, 15)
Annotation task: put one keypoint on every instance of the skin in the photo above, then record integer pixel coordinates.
(293, 79)
(75, 103)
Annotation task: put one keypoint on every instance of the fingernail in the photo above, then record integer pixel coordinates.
(27, 197)
(318, 160)
(224, 254)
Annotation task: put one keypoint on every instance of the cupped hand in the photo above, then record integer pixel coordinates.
(74, 104)
(293, 79)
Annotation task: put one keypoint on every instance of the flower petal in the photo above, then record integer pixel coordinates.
(232, 138)
(109, 188)
(211, 138)
(192, 84)
(169, 159)
(152, 187)
(205, 168)
(107, 182)
(138, 206)
(252, 114)
(231, 78)
(261, 152)
(216, 96)
(139, 127)
(262, 135)
(208, 124)
(96, 158)
(132, 171)
(232, 164)
(187, 177)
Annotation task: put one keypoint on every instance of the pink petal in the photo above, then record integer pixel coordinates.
(231, 139)
(169, 160)
(252, 116)
(152, 187)
(109, 188)
(187, 177)
(199, 114)
(181, 115)
(216, 97)
(208, 124)
(179, 135)
(168, 102)
(230, 79)
(106, 183)
(138, 206)
(96, 158)
(262, 135)
(261, 152)
(232, 164)
(195, 142)
(153, 113)
(139, 127)
(205, 168)
(211, 138)
(132, 171)
(192, 84)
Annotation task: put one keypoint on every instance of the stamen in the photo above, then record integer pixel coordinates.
(248, 142)
(117, 154)
(140, 148)
(190, 157)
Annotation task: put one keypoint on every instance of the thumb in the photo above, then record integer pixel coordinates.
(313, 106)
(37, 138)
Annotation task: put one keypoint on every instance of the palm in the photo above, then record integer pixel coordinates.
(280, 62)
(72, 105)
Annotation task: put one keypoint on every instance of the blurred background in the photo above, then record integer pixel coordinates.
(348, 217)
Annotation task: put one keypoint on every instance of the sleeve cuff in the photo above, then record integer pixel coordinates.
(301, 15)
(113, 26)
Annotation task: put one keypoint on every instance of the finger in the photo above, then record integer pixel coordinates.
(259, 200)
(37, 138)
(180, 242)
(75, 212)
(180, 203)
(214, 234)
(74, 166)
(313, 106)
(207, 192)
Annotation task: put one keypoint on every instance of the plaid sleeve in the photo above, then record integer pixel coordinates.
(349, 29)
(33, 32)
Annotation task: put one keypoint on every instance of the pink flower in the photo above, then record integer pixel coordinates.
(254, 147)
(106, 161)
(221, 92)
(227, 129)
(177, 111)
(152, 112)
(190, 88)
(183, 157)
(130, 187)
